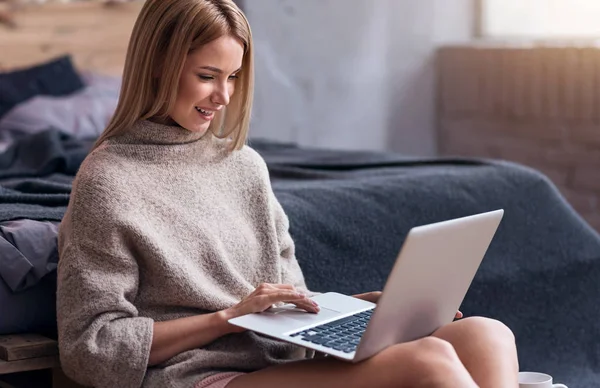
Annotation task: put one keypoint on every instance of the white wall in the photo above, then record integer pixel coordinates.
(351, 74)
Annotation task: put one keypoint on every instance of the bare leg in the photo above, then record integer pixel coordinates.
(487, 349)
(428, 362)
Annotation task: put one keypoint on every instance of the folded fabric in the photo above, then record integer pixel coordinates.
(29, 311)
(57, 77)
(27, 252)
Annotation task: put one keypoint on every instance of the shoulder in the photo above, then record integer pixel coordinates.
(102, 179)
(101, 165)
(245, 159)
(99, 200)
(250, 163)
(244, 170)
(250, 157)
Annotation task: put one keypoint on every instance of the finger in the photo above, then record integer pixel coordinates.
(269, 298)
(281, 294)
(458, 315)
(284, 286)
(299, 299)
(308, 305)
(304, 303)
(264, 287)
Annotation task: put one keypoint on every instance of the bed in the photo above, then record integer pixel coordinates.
(349, 210)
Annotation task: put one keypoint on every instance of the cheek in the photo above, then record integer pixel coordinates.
(192, 91)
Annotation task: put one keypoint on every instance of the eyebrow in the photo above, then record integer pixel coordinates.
(216, 69)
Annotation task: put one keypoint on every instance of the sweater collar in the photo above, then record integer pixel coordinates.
(150, 132)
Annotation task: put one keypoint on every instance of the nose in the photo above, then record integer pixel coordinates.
(220, 94)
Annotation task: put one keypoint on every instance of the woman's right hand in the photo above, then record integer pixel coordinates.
(265, 296)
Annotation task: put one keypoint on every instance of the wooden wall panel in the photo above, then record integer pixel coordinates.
(95, 34)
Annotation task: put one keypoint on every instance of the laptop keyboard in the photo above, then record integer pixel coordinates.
(343, 334)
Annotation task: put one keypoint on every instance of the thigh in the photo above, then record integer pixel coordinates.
(397, 366)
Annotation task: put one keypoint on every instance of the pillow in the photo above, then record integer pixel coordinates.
(57, 77)
(84, 114)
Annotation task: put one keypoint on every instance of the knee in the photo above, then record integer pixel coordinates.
(490, 330)
(434, 363)
(431, 349)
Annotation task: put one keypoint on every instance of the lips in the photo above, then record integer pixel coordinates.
(205, 112)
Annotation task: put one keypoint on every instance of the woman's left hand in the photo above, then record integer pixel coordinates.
(373, 297)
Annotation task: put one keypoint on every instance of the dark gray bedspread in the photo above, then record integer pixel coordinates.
(541, 275)
(349, 214)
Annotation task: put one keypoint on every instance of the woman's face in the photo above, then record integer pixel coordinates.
(207, 83)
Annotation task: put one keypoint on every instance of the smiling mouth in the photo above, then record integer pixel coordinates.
(205, 113)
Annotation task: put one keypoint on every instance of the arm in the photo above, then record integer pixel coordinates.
(291, 273)
(176, 336)
(103, 339)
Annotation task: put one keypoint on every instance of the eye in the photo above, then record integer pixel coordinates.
(205, 77)
(233, 77)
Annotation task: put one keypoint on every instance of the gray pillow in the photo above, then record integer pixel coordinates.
(56, 77)
(83, 114)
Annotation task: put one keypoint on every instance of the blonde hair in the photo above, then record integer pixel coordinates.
(165, 32)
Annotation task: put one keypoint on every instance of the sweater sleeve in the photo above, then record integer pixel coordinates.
(291, 273)
(103, 341)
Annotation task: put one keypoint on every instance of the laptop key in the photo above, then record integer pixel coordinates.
(343, 329)
(342, 321)
(311, 338)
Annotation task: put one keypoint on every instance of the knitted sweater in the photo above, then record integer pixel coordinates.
(164, 223)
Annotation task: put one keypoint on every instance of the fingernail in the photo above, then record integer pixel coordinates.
(314, 303)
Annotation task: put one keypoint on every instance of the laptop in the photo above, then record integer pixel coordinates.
(424, 290)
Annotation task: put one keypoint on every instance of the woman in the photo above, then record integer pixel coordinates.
(173, 228)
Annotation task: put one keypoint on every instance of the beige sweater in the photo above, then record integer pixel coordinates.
(164, 224)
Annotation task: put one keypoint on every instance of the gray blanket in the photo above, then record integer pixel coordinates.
(349, 214)
(36, 174)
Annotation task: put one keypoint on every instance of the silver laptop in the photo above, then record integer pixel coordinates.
(424, 290)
